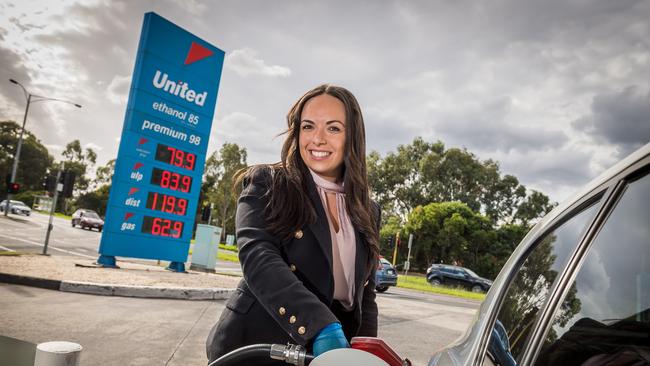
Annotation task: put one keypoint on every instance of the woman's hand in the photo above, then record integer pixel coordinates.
(331, 337)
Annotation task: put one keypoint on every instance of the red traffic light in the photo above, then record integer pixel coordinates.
(13, 188)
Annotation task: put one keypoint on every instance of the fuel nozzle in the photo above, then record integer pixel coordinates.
(292, 354)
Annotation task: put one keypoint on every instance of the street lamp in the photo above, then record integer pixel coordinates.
(31, 98)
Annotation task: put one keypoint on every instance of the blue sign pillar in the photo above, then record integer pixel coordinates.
(160, 161)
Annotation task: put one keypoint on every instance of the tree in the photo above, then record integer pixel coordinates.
(78, 161)
(424, 172)
(535, 206)
(396, 180)
(220, 168)
(104, 174)
(97, 199)
(34, 162)
(449, 232)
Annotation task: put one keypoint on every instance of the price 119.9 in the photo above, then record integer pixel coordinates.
(166, 203)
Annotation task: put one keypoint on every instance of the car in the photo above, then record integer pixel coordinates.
(448, 275)
(86, 218)
(385, 276)
(16, 207)
(576, 290)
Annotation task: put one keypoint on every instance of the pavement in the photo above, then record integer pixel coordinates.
(133, 278)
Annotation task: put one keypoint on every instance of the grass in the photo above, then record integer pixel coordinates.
(420, 283)
(56, 214)
(6, 253)
(232, 248)
(227, 256)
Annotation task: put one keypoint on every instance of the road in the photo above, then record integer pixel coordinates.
(131, 331)
(26, 234)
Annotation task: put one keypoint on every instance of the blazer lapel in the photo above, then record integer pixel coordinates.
(321, 227)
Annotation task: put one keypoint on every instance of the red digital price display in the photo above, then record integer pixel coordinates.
(171, 180)
(162, 227)
(166, 203)
(175, 157)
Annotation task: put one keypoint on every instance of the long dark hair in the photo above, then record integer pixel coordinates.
(289, 206)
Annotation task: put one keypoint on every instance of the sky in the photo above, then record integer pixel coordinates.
(556, 91)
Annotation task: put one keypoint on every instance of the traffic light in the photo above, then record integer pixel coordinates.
(49, 183)
(390, 241)
(67, 179)
(13, 188)
(205, 213)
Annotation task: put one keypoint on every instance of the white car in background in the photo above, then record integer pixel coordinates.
(16, 207)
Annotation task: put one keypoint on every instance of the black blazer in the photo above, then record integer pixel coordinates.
(287, 291)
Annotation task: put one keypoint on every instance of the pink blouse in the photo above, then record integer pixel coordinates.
(344, 248)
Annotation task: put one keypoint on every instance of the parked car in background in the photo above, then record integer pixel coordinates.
(16, 207)
(448, 275)
(86, 218)
(576, 291)
(385, 276)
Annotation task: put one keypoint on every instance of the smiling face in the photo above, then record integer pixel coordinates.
(322, 136)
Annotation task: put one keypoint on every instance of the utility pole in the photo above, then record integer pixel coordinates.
(59, 187)
(395, 251)
(31, 98)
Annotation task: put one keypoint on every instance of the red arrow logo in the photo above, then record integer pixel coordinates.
(138, 166)
(197, 52)
(132, 191)
(128, 216)
(142, 141)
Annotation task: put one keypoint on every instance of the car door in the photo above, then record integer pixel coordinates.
(531, 284)
(604, 316)
(567, 296)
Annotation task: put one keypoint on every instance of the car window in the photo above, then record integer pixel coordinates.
(92, 215)
(472, 273)
(529, 289)
(607, 317)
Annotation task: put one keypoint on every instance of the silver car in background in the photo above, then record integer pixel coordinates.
(577, 288)
(16, 207)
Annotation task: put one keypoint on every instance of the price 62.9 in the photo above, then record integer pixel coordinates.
(162, 227)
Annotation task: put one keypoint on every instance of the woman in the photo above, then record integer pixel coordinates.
(307, 233)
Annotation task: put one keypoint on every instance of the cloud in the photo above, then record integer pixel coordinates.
(118, 89)
(487, 125)
(621, 118)
(259, 139)
(93, 146)
(246, 62)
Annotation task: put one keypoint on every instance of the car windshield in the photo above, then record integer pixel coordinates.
(471, 273)
(91, 215)
(385, 262)
(17, 203)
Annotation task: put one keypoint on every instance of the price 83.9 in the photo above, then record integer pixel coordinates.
(174, 181)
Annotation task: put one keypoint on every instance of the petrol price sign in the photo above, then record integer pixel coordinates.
(158, 170)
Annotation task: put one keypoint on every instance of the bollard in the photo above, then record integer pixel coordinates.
(57, 354)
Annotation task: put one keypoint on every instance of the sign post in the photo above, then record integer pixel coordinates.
(407, 264)
(158, 170)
